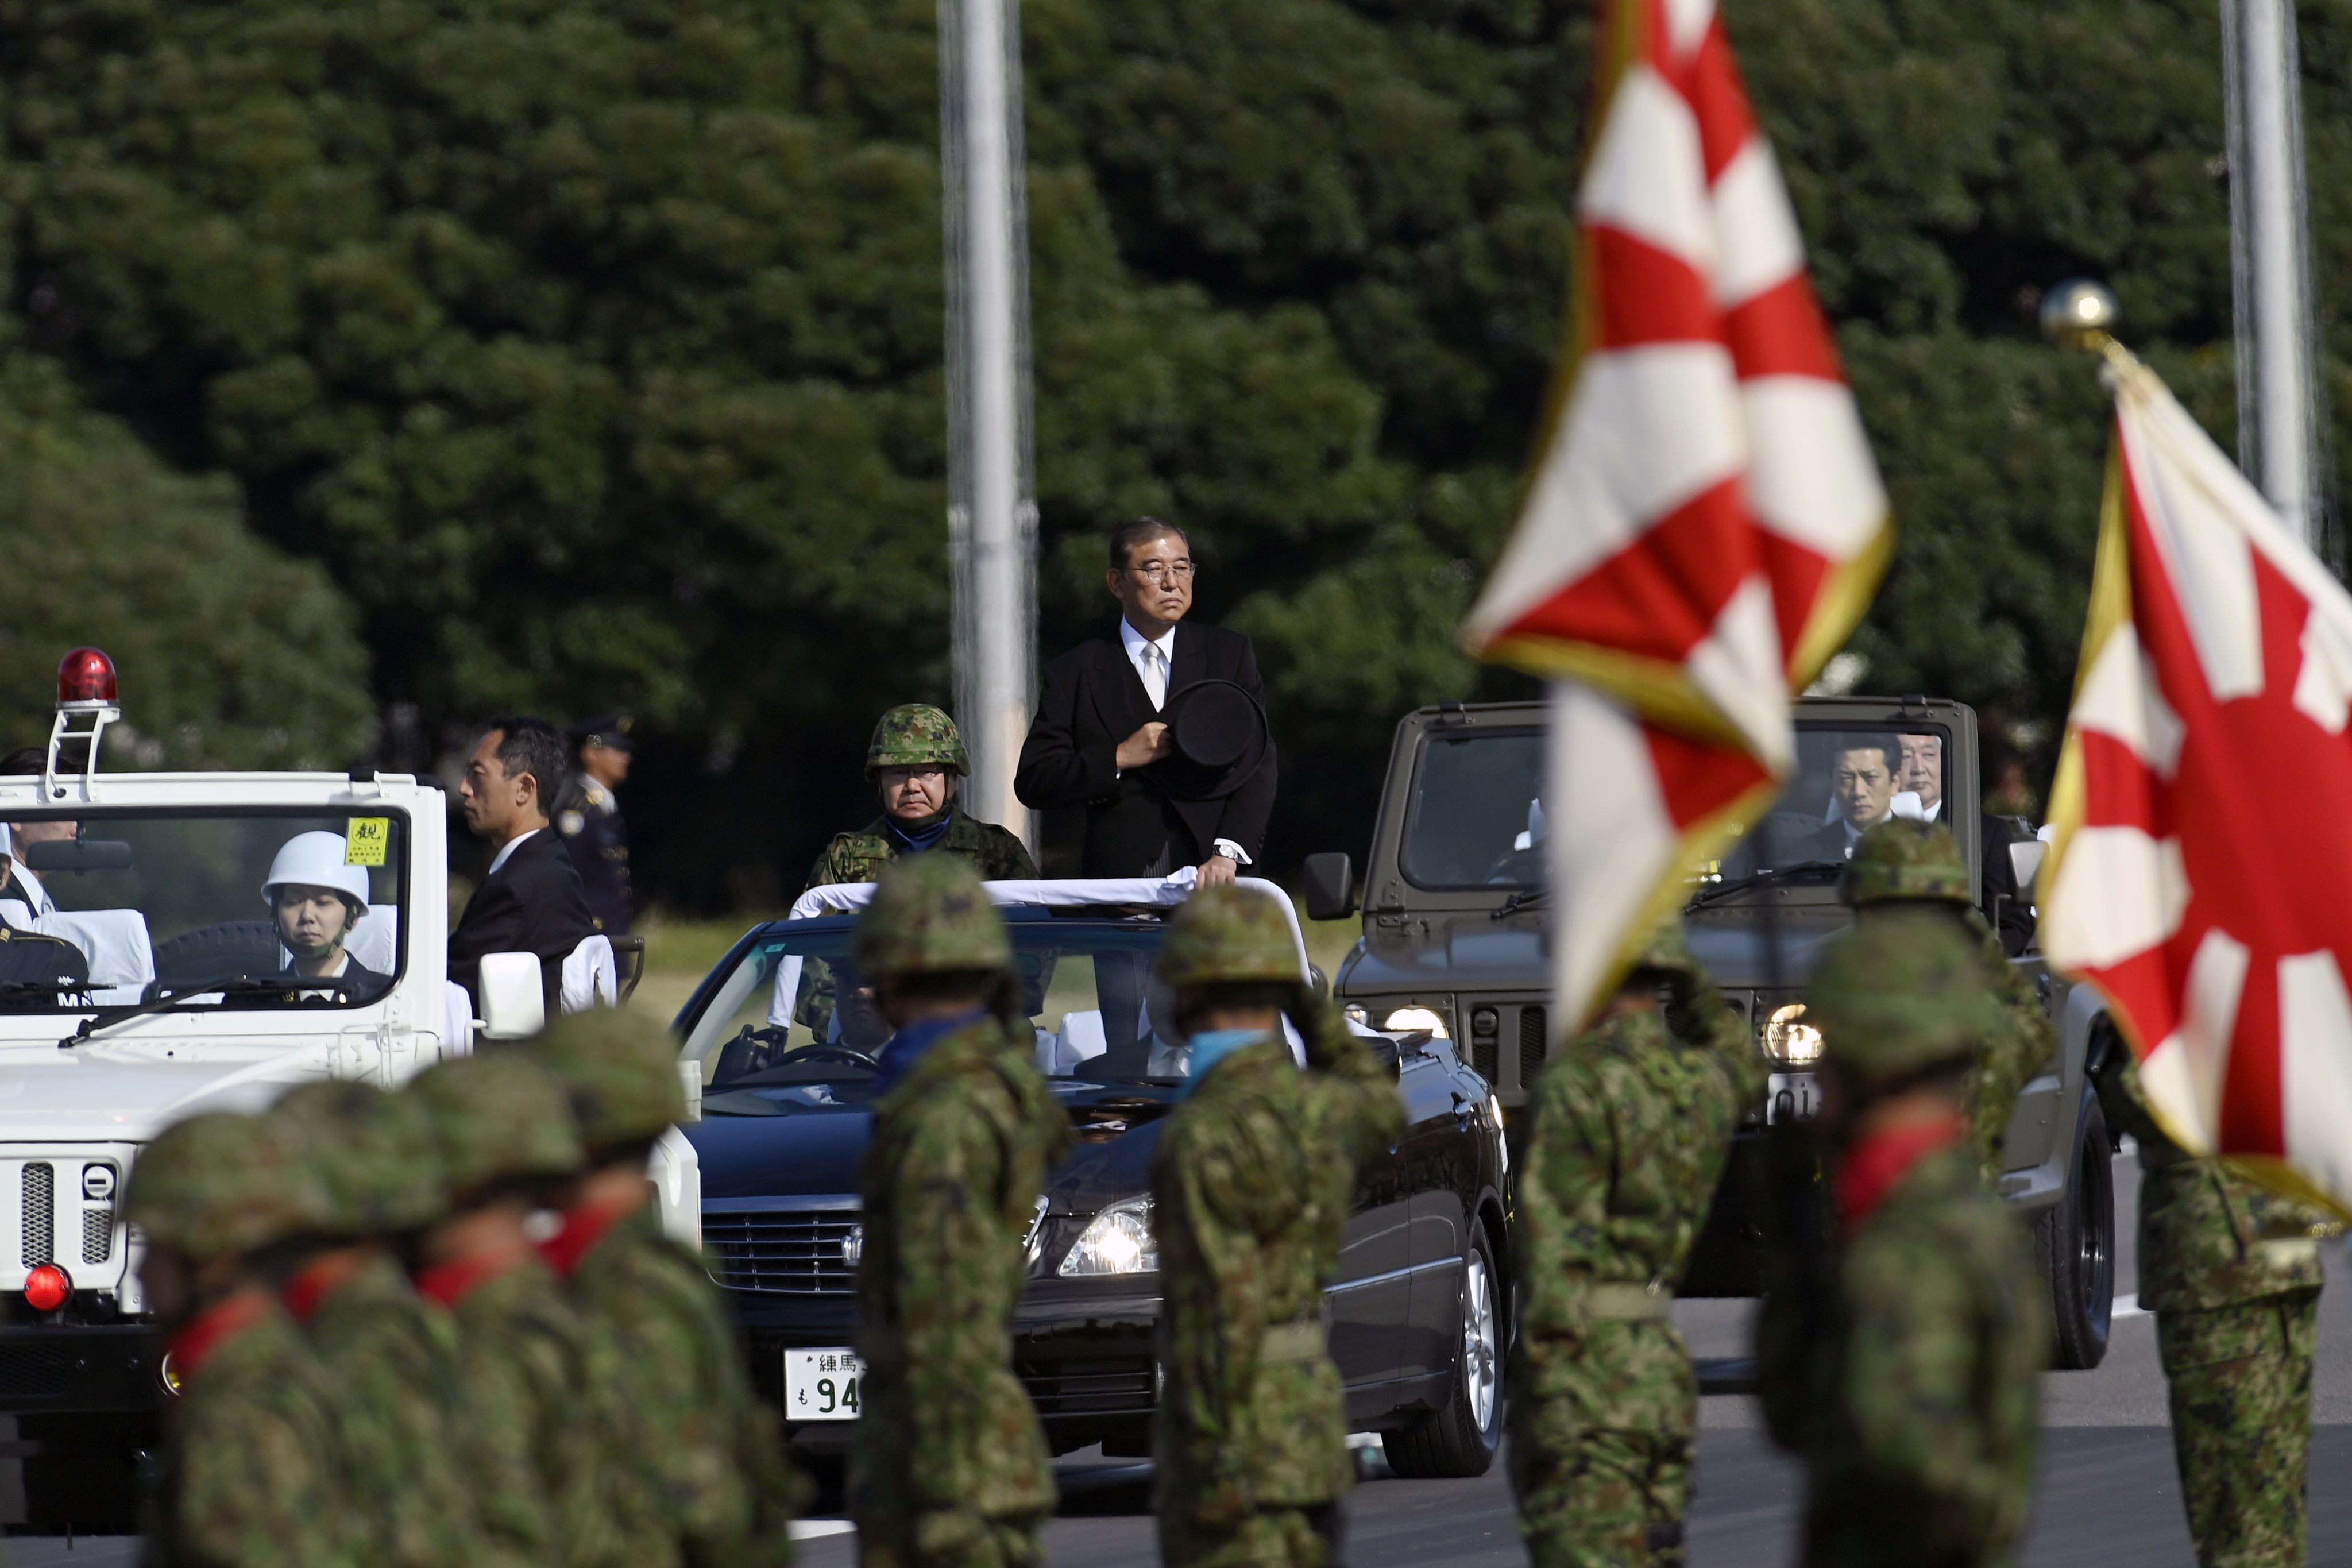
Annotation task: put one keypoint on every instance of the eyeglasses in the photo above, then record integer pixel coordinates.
(1160, 572)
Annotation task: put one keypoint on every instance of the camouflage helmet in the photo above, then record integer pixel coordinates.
(496, 1117)
(913, 734)
(1900, 859)
(1900, 995)
(374, 1152)
(928, 916)
(1666, 951)
(619, 1069)
(220, 1184)
(1229, 935)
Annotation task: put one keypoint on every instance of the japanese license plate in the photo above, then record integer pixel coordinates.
(1792, 1096)
(822, 1385)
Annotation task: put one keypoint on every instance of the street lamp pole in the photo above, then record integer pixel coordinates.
(2278, 435)
(991, 500)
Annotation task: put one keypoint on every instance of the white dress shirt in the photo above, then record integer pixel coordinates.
(1155, 660)
(505, 850)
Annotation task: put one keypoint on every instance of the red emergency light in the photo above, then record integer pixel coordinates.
(47, 1288)
(86, 679)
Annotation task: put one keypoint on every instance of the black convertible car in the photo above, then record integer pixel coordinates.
(784, 1033)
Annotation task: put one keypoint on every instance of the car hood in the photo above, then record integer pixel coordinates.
(805, 1148)
(1477, 952)
(1746, 948)
(113, 1094)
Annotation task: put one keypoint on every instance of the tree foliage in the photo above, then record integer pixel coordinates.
(593, 349)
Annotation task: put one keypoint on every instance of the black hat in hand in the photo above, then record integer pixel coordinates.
(1220, 738)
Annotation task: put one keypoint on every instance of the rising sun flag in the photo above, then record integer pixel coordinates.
(2199, 864)
(1703, 524)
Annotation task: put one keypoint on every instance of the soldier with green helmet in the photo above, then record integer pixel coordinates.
(917, 758)
(1629, 1133)
(394, 1358)
(949, 1464)
(2233, 1273)
(1914, 867)
(544, 1438)
(253, 1468)
(719, 1477)
(1902, 1335)
(1251, 1188)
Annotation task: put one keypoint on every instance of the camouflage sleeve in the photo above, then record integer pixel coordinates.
(502, 1448)
(1696, 1012)
(254, 1489)
(1005, 859)
(1568, 1159)
(2123, 1100)
(1914, 1384)
(950, 1260)
(827, 870)
(1374, 1113)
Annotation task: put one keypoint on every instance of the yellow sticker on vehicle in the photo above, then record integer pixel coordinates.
(368, 841)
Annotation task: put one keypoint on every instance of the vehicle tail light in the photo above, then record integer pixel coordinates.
(47, 1288)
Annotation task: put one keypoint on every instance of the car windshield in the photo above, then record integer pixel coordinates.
(116, 907)
(1476, 815)
(794, 1012)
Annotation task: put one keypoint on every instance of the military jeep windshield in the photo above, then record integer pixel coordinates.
(231, 908)
(1475, 817)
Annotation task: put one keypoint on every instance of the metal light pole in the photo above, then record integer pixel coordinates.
(2279, 433)
(992, 502)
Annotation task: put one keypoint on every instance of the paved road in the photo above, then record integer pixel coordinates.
(2106, 1492)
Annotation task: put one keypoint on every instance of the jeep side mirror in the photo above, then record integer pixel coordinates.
(513, 1002)
(1330, 886)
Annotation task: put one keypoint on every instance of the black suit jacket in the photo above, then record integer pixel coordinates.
(534, 904)
(1090, 700)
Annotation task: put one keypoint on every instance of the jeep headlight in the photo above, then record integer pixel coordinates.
(1789, 1039)
(1404, 1019)
(1118, 1241)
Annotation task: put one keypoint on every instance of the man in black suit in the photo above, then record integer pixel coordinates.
(2009, 908)
(1097, 741)
(531, 901)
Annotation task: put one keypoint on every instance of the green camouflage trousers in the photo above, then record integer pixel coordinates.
(1268, 1538)
(1595, 1497)
(959, 1540)
(2240, 1385)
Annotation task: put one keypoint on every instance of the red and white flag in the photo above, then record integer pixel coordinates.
(1704, 524)
(2202, 871)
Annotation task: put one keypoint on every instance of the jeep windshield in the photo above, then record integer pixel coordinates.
(1475, 817)
(231, 908)
(793, 1017)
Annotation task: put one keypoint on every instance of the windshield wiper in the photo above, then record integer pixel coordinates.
(1526, 898)
(1761, 878)
(279, 984)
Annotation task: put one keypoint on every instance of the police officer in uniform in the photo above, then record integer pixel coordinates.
(588, 819)
(917, 760)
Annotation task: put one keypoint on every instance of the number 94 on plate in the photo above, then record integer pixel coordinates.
(822, 1384)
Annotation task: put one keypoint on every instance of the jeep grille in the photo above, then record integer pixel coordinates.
(40, 1213)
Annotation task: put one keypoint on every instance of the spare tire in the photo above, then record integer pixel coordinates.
(232, 950)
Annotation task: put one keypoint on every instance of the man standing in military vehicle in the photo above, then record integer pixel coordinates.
(1914, 868)
(255, 1472)
(917, 757)
(1629, 1133)
(950, 1465)
(1902, 1340)
(1250, 1187)
(726, 1493)
(2232, 1274)
(392, 1358)
(588, 819)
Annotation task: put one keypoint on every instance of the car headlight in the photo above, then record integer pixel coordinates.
(1407, 1019)
(1789, 1039)
(1118, 1241)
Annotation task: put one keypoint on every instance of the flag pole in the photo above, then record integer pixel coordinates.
(991, 500)
(2278, 438)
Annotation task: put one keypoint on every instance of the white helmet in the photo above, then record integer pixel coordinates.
(316, 860)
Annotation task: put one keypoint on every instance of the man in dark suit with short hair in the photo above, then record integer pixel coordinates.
(1100, 739)
(531, 901)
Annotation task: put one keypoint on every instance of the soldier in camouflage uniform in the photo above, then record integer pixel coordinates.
(715, 1453)
(1900, 1353)
(393, 1357)
(1629, 1133)
(545, 1441)
(254, 1469)
(1915, 865)
(2232, 1274)
(916, 738)
(950, 1465)
(1251, 1185)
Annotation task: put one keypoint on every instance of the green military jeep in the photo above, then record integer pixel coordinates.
(1453, 941)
